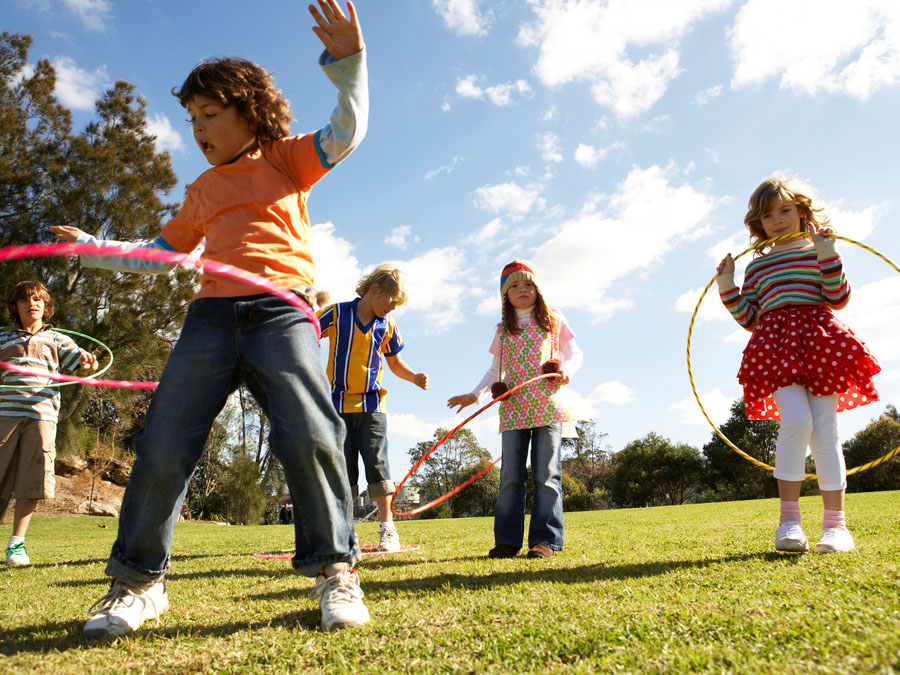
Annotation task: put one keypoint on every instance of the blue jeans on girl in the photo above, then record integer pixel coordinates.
(546, 467)
(270, 346)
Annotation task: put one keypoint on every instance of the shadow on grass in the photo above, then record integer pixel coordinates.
(65, 635)
(538, 571)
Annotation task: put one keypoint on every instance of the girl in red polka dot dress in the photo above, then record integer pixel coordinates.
(801, 365)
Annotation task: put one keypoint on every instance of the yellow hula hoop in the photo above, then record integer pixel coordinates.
(856, 469)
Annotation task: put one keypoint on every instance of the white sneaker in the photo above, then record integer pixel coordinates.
(17, 554)
(835, 540)
(389, 538)
(789, 537)
(125, 607)
(340, 599)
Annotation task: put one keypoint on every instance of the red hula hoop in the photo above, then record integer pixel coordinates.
(458, 488)
(158, 255)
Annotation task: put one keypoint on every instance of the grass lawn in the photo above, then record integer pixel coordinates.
(694, 588)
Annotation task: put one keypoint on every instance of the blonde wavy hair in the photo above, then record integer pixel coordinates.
(389, 279)
(790, 190)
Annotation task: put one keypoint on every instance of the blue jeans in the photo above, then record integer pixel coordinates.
(367, 436)
(270, 346)
(546, 467)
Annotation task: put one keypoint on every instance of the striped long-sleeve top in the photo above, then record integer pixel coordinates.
(803, 275)
(45, 350)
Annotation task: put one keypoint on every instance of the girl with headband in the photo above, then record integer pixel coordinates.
(530, 340)
(801, 364)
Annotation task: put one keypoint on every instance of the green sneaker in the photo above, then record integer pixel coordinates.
(17, 554)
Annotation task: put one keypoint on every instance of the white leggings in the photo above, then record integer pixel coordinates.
(808, 420)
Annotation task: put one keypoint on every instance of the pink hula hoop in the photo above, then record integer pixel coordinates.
(274, 555)
(469, 481)
(157, 255)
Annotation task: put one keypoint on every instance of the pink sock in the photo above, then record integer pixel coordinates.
(833, 519)
(789, 511)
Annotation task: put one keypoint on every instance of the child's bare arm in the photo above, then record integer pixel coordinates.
(462, 400)
(404, 372)
(342, 36)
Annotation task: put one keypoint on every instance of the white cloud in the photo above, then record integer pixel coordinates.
(550, 114)
(874, 314)
(447, 168)
(855, 225)
(585, 40)
(708, 94)
(716, 404)
(711, 309)
(485, 235)
(337, 269)
(612, 393)
(93, 14)
(498, 94)
(630, 89)
(590, 255)
(588, 156)
(509, 198)
(463, 16)
(167, 138)
(77, 88)
(400, 237)
(852, 48)
(433, 280)
(548, 144)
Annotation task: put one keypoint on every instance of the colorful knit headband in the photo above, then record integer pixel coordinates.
(514, 271)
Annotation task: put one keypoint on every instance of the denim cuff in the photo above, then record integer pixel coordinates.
(382, 488)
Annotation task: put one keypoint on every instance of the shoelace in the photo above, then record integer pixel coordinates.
(343, 585)
(115, 596)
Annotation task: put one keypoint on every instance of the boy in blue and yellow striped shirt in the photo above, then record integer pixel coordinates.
(359, 332)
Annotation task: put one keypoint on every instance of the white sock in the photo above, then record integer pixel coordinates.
(15, 540)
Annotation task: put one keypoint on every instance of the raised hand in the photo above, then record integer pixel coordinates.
(65, 232)
(726, 267)
(88, 361)
(342, 36)
(462, 401)
(818, 233)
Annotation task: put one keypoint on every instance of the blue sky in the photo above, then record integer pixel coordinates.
(612, 143)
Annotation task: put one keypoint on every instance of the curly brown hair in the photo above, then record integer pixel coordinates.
(789, 190)
(245, 85)
(24, 290)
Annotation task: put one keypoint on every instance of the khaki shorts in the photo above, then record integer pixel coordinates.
(27, 456)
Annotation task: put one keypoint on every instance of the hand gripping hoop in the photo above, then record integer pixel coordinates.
(856, 469)
(158, 255)
(43, 373)
(435, 502)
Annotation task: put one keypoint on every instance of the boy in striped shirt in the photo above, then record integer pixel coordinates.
(28, 414)
(359, 332)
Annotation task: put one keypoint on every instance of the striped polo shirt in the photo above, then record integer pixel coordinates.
(354, 356)
(786, 278)
(45, 350)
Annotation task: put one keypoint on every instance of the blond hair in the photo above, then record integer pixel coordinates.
(389, 280)
(788, 189)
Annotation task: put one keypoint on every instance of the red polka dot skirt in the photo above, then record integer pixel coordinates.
(805, 345)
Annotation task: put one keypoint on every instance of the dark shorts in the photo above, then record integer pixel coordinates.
(367, 436)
